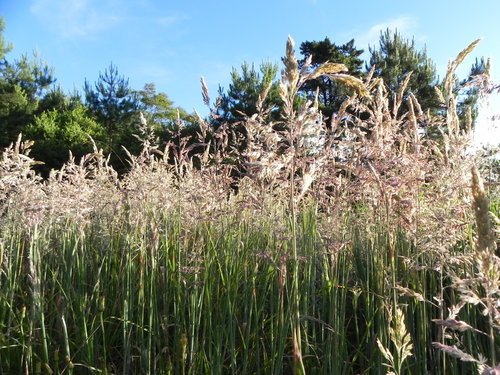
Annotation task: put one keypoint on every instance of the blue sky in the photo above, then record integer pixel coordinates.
(173, 43)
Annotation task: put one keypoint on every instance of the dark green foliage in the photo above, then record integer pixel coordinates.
(331, 93)
(111, 100)
(16, 110)
(115, 106)
(57, 132)
(469, 90)
(57, 99)
(241, 101)
(33, 75)
(395, 58)
(246, 86)
(5, 47)
(22, 84)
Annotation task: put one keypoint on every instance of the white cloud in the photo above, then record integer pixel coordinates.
(77, 18)
(371, 36)
(170, 19)
(167, 20)
(153, 72)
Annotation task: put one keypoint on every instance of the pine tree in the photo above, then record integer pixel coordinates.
(112, 101)
(115, 106)
(395, 58)
(241, 98)
(469, 91)
(331, 93)
(23, 83)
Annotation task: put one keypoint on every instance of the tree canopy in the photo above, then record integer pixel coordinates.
(108, 110)
(111, 100)
(397, 57)
(57, 132)
(331, 93)
(23, 83)
(243, 93)
(469, 88)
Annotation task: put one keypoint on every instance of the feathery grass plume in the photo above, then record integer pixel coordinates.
(289, 84)
(482, 289)
(452, 119)
(453, 65)
(440, 95)
(416, 105)
(20, 185)
(448, 84)
(491, 370)
(148, 139)
(291, 73)
(416, 115)
(327, 69)
(204, 92)
(455, 352)
(413, 122)
(487, 261)
(262, 97)
(456, 325)
(486, 239)
(352, 82)
(16, 166)
(401, 343)
(399, 95)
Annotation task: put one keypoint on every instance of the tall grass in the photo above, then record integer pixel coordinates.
(348, 248)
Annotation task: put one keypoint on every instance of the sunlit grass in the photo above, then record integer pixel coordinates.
(359, 257)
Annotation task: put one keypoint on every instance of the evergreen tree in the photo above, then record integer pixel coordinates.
(16, 111)
(5, 47)
(23, 83)
(115, 106)
(57, 99)
(469, 91)
(331, 93)
(241, 98)
(33, 75)
(111, 100)
(240, 102)
(395, 58)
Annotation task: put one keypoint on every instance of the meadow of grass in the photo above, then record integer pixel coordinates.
(365, 245)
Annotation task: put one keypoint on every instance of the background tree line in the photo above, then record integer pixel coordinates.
(108, 110)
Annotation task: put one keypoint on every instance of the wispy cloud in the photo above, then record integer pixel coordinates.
(153, 72)
(168, 20)
(78, 18)
(371, 36)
